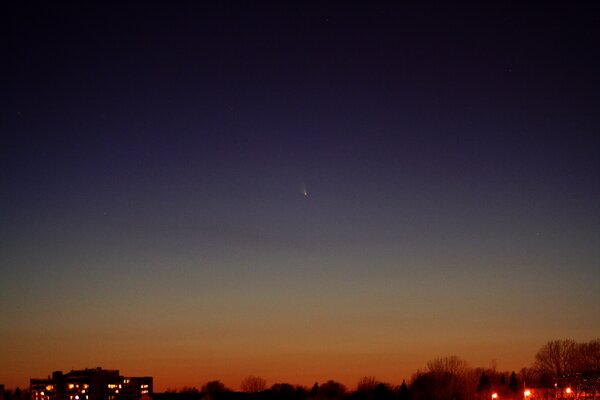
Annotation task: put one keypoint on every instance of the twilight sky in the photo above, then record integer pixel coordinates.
(153, 167)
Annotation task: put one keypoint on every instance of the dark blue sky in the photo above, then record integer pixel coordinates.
(154, 159)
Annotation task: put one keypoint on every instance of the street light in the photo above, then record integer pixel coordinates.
(526, 393)
(568, 390)
(494, 396)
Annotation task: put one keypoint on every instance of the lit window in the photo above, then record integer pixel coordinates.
(71, 386)
(85, 385)
(49, 387)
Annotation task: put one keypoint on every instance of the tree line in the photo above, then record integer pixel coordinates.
(563, 369)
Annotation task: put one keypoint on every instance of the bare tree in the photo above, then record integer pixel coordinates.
(365, 388)
(446, 378)
(528, 377)
(253, 384)
(452, 365)
(557, 358)
(366, 384)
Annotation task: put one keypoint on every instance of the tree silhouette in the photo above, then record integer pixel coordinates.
(557, 358)
(403, 393)
(383, 392)
(314, 390)
(365, 388)
(213, 387)
(571, 364)
(253, 384)
(447, 378)
(331, 390)
(502, 379)
(366, 384)
(513, 383)
(284, 388)
(484, 382)
(285, 391)
(452, 365)
(528, 376)
(590, 365)
(563, 362)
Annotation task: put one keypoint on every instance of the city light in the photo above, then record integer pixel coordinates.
(526, 393)
(494, 395)
(568, 390)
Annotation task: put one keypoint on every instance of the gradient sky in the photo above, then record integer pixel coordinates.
(154, 158)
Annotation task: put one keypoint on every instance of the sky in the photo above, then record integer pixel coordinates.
(309, 191)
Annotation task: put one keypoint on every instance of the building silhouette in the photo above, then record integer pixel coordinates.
(90, 384)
